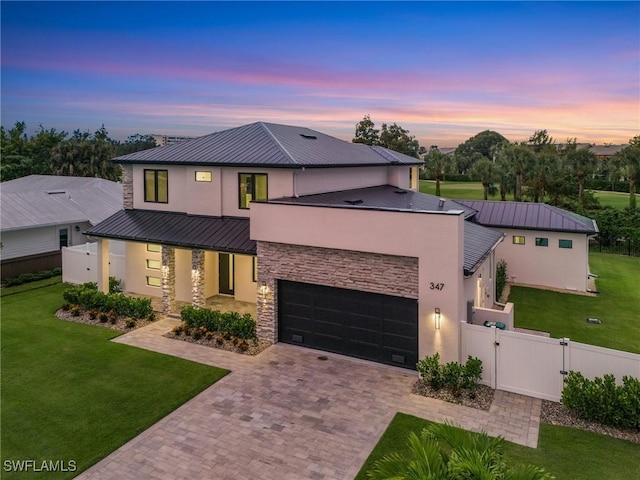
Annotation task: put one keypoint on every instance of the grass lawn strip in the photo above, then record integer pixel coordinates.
(70, 394)
(565, 314)
(567, 453)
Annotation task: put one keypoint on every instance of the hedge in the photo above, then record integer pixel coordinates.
(32, 277)
(240, 326)
(88, 297)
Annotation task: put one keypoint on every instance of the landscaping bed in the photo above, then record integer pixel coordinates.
(121, 323)
(481, 398)
(253, 347)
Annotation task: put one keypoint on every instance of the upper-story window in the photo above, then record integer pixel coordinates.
(203, 176)
(252, 188)
(156, 186)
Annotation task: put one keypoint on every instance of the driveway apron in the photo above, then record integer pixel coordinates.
(289, 413)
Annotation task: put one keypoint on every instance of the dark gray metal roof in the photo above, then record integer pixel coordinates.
(224, 234)
(382, 197)
(529, 216)
(43, 200)
(479, 241)
(269, 145)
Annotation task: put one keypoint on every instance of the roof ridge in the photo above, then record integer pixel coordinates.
(280, 146)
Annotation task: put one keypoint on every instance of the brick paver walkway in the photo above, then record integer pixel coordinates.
(286, 414)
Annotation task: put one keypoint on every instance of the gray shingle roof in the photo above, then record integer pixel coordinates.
(42, 200)
(224, 234)
(382, 197)
(269, 145)
(530, 216)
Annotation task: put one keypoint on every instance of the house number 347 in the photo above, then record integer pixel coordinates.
(436, 286)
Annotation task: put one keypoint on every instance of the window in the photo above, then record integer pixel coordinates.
(542, 242)
(151, 247)
(565, 243)
(154, 281)
(156, 186)
(518, 240)
(255, 269)
(153, 264)
(253, 188)
(64, 237)
(203, 176)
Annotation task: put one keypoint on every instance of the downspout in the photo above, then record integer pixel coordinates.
(295, 174)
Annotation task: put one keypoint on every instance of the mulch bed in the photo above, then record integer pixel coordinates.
(554, 413)
(255, 347)
(120, 324)
(481, 400)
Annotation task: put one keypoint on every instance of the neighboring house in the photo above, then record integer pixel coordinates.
(164, 140)
(329, 239)
(544, 245)
(43, 213)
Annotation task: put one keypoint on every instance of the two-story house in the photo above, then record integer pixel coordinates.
(330, 239)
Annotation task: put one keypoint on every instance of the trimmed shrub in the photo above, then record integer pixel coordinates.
(32, 277)
(88, 296)
(501, 278)
(453, 375)
(601, 400)
(226, 323)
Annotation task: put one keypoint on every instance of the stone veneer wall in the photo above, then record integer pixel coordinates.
(368, 272)
(197, 278)
(127, 186)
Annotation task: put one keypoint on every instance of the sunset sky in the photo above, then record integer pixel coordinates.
(445, 71)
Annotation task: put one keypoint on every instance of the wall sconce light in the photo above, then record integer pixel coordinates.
(77, 228)
(263, 289)
(437, 317)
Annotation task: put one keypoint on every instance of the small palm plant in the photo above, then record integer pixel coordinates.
(447, 452)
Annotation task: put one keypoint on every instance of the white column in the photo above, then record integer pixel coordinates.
(103, 265)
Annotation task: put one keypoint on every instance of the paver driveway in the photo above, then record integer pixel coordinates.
(286, 414)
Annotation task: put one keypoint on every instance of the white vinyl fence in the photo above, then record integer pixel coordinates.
(80, 263)
(534, 365)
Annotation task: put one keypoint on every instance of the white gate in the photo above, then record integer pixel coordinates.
(534, 365)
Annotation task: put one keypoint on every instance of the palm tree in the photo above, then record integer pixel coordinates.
(484, 171)
(447, 452)
(437, 164)
(520, 158)
(583, 162)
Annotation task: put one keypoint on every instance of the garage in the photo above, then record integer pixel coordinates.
(381, 328)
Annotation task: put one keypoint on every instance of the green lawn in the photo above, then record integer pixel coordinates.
(473, 191)
(565, 314)
(68, 393)
(567, 453)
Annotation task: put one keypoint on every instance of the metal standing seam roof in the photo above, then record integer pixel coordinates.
(530, 216)
(225, 234)
(382, 197)
(479, 241)
(43, 200)
(269, 145)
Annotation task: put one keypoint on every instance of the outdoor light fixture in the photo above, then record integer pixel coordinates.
(77, 228)
(264, 289)
(437, 318)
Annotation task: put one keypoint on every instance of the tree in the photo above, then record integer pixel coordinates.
(135, 143)
(366, 132)
(486, 143)
(398, 139)
(520, 158)
(627, 161)
(541, 140)
(484, 171)
(447, 452)
(437, 164)
(393, 137)
(582, 163)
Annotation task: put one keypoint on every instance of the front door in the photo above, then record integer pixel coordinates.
(226, 273)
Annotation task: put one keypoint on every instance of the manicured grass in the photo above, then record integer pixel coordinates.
(70, 394)
(565, 452)
(565, 314)
(473, 191)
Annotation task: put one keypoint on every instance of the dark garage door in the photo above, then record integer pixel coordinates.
(375, 327)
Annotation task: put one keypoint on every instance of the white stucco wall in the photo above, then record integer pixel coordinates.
(319, 180)
(136, 269)
(548, 266)
(245, 288)
(480, 287)
(436, 239)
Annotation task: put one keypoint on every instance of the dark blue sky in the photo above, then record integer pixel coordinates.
(443, 70)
